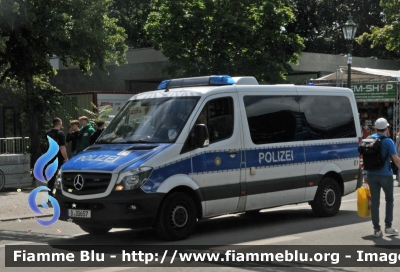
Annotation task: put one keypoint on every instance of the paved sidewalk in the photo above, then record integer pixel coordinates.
(14, 205)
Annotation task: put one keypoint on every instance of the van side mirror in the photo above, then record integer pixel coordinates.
(200, 136)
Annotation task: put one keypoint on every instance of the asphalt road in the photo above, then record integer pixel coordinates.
(288, 225)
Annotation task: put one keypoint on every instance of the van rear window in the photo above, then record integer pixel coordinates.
(277, 119)
(327, 117)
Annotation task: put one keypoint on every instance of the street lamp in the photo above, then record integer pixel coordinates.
(349, 31)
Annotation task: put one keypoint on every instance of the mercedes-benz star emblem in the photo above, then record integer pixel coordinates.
(78, 182)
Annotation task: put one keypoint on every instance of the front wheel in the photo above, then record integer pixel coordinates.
(177, 217)
(94, 230)
(328, 198)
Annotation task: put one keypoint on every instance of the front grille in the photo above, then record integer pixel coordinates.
(94, 183)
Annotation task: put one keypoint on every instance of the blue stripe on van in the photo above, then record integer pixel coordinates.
(265, 157)
(205, 162)
(274, 156)
(159, 175)
(327, 152)
(208, 161)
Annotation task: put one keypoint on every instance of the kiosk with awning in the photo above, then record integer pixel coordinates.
(376, 92)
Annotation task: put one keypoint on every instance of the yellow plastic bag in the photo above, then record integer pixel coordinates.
(364, 202)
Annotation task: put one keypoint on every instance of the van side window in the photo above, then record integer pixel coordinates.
(220, 119)
(327, 117)
(273, 119)
(217, 115)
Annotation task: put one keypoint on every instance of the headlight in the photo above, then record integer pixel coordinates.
(133, 178)
(58, 181)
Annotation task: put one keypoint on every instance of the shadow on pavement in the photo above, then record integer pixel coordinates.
(224, 230)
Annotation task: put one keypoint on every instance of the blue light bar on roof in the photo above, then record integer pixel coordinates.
(221, 80)
(197, 81)
(163, 84)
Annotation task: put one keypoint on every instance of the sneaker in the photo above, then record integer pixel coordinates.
(378, 233)
(391, 231)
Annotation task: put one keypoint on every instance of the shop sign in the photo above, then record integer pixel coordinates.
(115, 101)
(375, 92)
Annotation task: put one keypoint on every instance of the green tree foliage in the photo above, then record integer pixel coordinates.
(389, 34)
(3, 43)
(132, 16)
(79, 32)
(319, 23)
(46, 98)
(99, 113)
(246, 37)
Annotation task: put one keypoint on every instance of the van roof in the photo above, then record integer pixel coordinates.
(214, 80)
(198, 86)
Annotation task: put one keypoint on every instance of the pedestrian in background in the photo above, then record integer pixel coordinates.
(72, 136)
(100, 128)
(383, 179)
(398, 154)
(364, 129)
(84, 134)
(59, 137)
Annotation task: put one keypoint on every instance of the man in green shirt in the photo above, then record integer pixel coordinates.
(84, 134)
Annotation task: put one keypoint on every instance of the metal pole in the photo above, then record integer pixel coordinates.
(349, 61)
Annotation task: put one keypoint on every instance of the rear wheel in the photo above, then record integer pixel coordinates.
(177, 217)
(328, 198)
(95, 230)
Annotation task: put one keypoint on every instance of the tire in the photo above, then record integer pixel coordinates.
(2, 180)
(177, 217)
(94, 230)
(328, 198)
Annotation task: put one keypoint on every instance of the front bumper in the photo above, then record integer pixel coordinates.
(112, 211)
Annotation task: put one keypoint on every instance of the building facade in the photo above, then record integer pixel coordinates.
(143, 72)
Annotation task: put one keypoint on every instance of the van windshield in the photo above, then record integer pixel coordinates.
(152, 120)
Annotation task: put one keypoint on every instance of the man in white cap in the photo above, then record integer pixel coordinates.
(383, 178)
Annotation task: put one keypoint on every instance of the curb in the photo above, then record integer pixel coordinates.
(24, 218)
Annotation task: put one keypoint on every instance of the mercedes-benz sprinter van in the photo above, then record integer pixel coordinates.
(207, 146)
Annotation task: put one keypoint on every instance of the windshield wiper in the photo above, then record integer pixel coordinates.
(136, 142)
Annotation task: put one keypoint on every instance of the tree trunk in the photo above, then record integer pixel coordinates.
(33, 121)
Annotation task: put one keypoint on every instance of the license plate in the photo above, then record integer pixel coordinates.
(79, 213)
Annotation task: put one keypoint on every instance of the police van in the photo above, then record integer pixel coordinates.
(207, 146)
